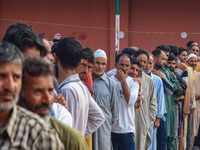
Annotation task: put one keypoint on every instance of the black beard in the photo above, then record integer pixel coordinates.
(159, 66)
(171, 69)
(194, 67)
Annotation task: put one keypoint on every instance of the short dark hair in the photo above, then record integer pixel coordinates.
(88, 54)
(129, 51)
(26, 38)
(181, 49)
(69, 52)
(36, 66)
(121, 54)
(171, 57)
(9, 52)
(164, 47)
(189, 43)
(174, 49)
(13, 28)
(141, 51)
(156, 52)
(135, 61)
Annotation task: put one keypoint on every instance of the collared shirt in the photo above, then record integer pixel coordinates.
(107, 96)
(161, 108)
(61, 113)
(86, 114)
(169, 101)
(27, 130)
(126, 122)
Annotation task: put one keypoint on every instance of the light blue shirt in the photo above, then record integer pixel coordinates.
(113, 71)
(60, 113)
(161, 108)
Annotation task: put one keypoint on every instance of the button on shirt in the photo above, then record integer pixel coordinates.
(126, 122)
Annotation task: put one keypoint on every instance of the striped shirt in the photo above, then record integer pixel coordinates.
(26, 131)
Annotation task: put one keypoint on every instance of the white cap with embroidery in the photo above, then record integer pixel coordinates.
(100, 53)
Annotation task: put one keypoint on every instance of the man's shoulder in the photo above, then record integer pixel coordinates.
(35, 130)
(33, 119)
(111, 81)
(157, 78)
(147, 78)
(73, 86)
(69, 136)
(182, 66)
(198, 67)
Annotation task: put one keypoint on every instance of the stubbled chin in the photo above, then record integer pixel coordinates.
(148, 71)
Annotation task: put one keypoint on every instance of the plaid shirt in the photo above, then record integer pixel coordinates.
(26, 131)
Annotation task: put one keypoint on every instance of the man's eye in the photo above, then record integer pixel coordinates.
(16, 77)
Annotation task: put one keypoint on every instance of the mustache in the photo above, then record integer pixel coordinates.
(43, 106)
(84, 72)
(8, 92)
(124, 71)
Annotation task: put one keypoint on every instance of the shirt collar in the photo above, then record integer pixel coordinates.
(72, 78)
(103, 77)
(151, 74)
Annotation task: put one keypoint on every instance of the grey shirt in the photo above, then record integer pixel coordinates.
(107, 96)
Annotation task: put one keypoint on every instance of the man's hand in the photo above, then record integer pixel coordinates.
(181, 97)
(157, 123)
(120, 75)
(197, 96)
(139, 101)
(173, 74)
(158, 73)
(61, 100)
(192, 110)
(184, 115)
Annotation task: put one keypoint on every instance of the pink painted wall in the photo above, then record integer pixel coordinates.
(146, 23)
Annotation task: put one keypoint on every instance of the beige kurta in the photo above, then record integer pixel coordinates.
(146, 113)
(192, 99)
(196, 113)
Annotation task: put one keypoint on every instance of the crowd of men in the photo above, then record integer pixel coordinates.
(58, 95)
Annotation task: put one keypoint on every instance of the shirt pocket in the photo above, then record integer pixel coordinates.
(103, 99)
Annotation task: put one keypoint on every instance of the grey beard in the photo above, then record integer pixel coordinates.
(148, 71)
(4, 107)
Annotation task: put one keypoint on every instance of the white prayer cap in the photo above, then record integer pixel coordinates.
(192, 55)
(100, 53)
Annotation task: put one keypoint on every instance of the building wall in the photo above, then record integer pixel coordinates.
(146, 23)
